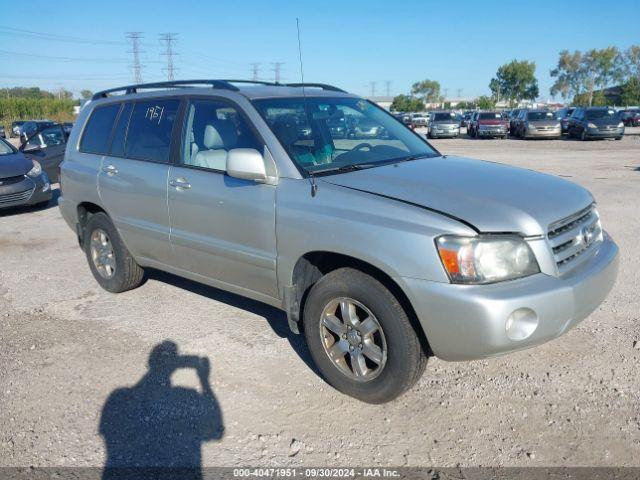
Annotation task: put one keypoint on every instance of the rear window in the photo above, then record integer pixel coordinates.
(439, 117)
(540, 116)
(96, 134)
(150, 127)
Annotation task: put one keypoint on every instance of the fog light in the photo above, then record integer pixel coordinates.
(521, 324)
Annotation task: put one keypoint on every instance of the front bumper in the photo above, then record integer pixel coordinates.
(597, 133)
(535, 133)
(29, 191)
(466, 322)
(492, 132)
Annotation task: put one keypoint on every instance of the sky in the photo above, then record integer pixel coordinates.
(350, 44)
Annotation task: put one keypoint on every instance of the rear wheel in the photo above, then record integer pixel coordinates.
(361, 338)
(112, 265)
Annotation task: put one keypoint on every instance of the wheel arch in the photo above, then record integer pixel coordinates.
(84, 211)
(313, 265)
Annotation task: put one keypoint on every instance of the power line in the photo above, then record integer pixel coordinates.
(277, 67)
(168, 39)
(254, 70)
(135, 37)
(55, 37)
(20, 55)
(372, 86)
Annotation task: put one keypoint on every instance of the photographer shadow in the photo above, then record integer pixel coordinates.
(156, 430)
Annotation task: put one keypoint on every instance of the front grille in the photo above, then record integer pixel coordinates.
(11, 180)
(15, 197)
(573, 236)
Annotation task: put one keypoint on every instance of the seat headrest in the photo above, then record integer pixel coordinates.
(220, 134)
(286, 130)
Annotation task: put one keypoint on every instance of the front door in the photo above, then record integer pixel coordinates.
(222, 228)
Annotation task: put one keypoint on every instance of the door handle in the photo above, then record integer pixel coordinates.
(180, 184)
(110, 170)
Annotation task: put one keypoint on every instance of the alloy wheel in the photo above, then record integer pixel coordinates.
(102, 253)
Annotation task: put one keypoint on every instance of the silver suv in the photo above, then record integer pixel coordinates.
(381, 251)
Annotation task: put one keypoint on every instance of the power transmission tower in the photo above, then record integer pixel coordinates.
(135, 38)
(387, 87)
(277, 66)
(169, 39)
(254, 70)
(446, 93)
(459, 93)
(372, 85)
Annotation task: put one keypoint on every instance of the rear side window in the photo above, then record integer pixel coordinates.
(120, 132)
(98, 130)
(150, 127)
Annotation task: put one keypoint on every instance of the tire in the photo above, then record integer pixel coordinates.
(618, 138)
(402, 359)
(126, 274)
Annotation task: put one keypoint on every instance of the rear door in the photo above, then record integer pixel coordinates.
(222, 228)
(132, 181)
(47, 147)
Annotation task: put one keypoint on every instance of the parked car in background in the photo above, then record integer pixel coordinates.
(595, 122)
(16, 128)
(630, 117)
(513, 118)
(563, 115)
(491, 124)
(22, 180)
(472, 123)
(444, 125)
(338, 127)
(67, 126)
(47, 147)
(466, 117)
(2, 132)
(420, 120)
(537, 124)
(364, 128)
(31, 127)
(378, 252)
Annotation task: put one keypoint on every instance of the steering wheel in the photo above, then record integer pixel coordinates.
(360, 146)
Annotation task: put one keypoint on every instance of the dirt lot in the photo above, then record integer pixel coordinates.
(66, 345)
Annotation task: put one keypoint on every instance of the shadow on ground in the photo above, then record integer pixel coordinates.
(154, 430)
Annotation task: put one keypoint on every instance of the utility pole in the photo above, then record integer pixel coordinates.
(254, 70)
(135, 38)
(277, 67)
(387, 87)
(459, 93)
(169, 39)
(372, 85)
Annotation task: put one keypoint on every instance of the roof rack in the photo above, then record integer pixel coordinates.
(323, 86)
(222, 84)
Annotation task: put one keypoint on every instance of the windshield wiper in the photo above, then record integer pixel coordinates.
(345, 168)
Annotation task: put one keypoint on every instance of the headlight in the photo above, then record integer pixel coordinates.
(36, 170)
(591, 125)
(620, 125)
(486, 259)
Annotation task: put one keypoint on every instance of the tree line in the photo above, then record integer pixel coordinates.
(579, 78)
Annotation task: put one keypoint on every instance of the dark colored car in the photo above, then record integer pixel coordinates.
(47, 148)
(444, 124)
(630, 117)
(22, 180)
(595, 122)
(16, 128)
(490, 124)
(31, 127)
(67, 126)
(563, 115)
(513, 118)
(2, 132)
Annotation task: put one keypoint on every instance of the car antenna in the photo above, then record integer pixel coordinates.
(314, 185)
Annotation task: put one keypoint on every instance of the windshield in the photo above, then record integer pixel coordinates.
(306, 130)
(440, 117)
(5, 148)
(540, 116)
(490, 116)
(600, 113)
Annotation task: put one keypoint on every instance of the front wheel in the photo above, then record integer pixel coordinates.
(360, 337)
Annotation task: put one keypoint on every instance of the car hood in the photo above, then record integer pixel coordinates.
(489, 196)
(14, 165)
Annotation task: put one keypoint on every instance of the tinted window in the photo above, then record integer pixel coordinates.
(120, 132)
(490, 116)
(214, 128)
(439, 117)
(96, 134)
(150, 127)
(607, 114)
(540, 116)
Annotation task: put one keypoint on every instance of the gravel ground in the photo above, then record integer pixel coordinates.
(66, 346)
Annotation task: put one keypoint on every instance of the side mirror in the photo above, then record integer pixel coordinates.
(247, 164)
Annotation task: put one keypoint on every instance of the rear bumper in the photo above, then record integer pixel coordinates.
(543, 134)
(29, 191)
(466, 322)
